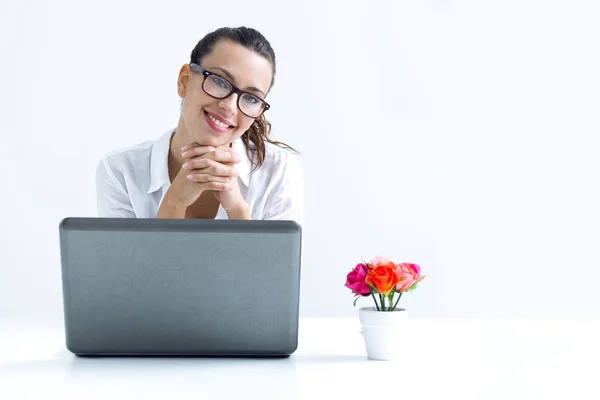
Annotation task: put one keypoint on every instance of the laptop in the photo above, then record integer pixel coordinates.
(137, 287)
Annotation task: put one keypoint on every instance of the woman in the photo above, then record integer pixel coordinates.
(219, 162)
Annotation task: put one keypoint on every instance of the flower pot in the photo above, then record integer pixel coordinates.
(382, 331)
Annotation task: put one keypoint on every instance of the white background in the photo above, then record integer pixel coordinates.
(458, 135)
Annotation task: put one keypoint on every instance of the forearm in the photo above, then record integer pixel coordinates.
(240, 212)
(169, 209)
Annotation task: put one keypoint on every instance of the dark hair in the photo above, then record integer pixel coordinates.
(259, 131)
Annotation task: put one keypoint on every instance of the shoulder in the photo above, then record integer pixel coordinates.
(124, 156)
(119, 163)
(280, 159)
(281, 169)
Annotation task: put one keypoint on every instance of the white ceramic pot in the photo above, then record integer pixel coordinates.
(382, 331)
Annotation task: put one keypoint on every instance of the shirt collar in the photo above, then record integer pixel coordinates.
(159, 162)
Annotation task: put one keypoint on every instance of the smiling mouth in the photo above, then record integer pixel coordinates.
(217, 122)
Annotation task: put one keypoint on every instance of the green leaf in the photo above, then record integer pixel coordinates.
(414, 285)
(355, 300)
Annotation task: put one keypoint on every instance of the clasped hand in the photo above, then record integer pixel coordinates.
(209, 168)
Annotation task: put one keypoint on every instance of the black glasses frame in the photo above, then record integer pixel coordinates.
(234, 89)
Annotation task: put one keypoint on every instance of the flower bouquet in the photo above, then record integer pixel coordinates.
(385, 279)
(385, 282)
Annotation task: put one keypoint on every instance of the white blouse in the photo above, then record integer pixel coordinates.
(132, 182)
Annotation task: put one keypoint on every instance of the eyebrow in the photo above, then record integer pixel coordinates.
(231, 78)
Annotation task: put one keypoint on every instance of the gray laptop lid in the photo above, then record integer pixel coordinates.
(180, 287)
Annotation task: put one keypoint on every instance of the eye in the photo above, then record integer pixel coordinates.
(218, 81)
(251, 99)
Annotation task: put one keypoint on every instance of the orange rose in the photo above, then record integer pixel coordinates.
(383, 278)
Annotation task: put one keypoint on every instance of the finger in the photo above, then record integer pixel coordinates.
(224, 156)
(218, 186)
(210, 166)
(221, 156)
(189, 146)
(228, 149)
(197, 151)
(198, 163)
(203, 178)
(225, 147)
(221, 170)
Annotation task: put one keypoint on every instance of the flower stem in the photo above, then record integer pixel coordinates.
(375, 300)
(399, 295)
(382, 302)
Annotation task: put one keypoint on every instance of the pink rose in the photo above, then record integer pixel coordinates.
(355, 280)
(379, 261)
(410, 272)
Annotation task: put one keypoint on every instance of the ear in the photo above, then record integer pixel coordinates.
(182, 80)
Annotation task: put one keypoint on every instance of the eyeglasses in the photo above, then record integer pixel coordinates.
(220, 88)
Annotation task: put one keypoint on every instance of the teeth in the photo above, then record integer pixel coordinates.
(217, 122)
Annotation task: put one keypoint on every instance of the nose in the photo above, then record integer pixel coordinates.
(229, 104)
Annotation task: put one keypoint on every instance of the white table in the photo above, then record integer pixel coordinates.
(444, 359)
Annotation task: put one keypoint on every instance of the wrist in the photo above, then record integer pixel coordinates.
(241, 211)
(171, 208)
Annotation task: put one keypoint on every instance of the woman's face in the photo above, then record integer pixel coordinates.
(242, 67)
